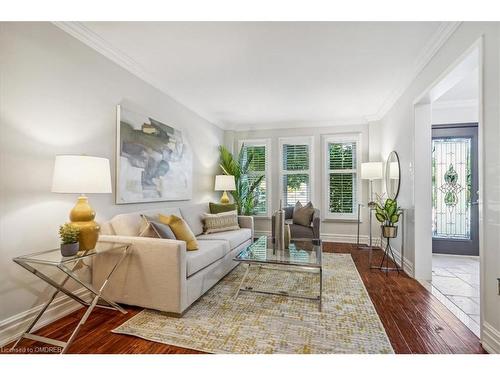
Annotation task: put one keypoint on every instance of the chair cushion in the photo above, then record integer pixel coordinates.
(207, 253)
(302, 215)
(234, 237)
(299, 231)
(181, 230)
(193, 215)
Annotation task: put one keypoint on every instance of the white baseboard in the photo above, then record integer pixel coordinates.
(490, 339)
(407, 264)
(12, 327)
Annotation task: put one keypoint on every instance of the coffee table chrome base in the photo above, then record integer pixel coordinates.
(60, 288)
(281, 292)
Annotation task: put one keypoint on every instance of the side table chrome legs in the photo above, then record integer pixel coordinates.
(59, 286)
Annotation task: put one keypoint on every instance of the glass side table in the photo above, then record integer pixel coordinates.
(52, 259)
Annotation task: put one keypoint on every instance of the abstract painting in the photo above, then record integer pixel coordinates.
(153, 162)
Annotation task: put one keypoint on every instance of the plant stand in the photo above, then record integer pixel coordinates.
(386, 257)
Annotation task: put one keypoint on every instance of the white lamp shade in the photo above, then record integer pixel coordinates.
(371, 170)
(224, 183)
(81, 175)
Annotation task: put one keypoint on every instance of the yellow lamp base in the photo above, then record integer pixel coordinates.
(225, 198)
(82, 216)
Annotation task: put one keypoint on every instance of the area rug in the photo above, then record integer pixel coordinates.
(258, 323)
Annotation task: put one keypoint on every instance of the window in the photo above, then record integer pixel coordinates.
(259, 166)
(295, 170)
(342, 158)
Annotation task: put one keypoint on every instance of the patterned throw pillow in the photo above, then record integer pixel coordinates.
(302, 215)
(217, 208)
(181, 230)
(222, 222)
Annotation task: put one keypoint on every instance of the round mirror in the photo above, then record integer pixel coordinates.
(392, 175)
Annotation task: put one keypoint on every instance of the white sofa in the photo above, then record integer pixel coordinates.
(159, 273)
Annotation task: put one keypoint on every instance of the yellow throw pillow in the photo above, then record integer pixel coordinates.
(181, 230)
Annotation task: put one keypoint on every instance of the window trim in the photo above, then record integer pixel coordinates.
(308, 140)
(341, 137)
(266, 142)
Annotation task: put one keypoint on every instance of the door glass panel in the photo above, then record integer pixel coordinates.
(451, 187)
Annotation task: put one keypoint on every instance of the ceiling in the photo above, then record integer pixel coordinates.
(242, 75)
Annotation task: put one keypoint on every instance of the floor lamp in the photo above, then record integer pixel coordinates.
(370, 171)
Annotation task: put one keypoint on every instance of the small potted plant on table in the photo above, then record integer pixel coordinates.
(69, 239)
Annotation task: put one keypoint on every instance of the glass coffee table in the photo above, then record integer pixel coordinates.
(302, 254)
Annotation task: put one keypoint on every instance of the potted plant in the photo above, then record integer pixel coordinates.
(246, 195)
(69, 239)
(388, 214)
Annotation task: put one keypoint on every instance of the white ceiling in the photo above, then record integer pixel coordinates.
(263, 74)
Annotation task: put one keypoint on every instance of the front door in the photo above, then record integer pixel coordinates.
(455, 225)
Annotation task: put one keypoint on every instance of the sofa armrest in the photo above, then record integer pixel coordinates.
(316, 221)
(153, 275)
(246, 222)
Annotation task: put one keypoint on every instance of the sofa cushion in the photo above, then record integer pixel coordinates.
(208, 253)
(131, 224)
(217, 208)
(181, 230)
(193, 215)
(234, 237)
(225, 221)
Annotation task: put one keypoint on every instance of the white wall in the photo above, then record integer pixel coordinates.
(337, 230)
(398, 126)
(59, 96)
(454, 114)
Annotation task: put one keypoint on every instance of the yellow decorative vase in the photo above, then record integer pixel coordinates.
(82, 216)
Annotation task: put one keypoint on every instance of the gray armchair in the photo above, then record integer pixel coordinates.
(300, 231)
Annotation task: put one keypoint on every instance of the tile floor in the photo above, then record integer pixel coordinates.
(455, 281)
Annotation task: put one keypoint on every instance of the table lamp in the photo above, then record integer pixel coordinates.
(371, 171)
(224, 183)
(80, 174)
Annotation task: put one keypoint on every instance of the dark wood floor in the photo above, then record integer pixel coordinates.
(415, 321)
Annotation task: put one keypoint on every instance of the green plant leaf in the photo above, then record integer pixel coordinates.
(380, 217)
(394, 218)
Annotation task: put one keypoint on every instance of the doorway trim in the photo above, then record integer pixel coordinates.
(422, 199)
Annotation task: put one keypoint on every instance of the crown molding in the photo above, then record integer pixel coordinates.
(354, 121)
(79, 31)
(442, 34)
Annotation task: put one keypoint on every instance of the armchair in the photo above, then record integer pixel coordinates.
(300, 231)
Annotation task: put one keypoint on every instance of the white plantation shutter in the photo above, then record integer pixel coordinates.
(342, 160)
(259, 166)
(295, 162)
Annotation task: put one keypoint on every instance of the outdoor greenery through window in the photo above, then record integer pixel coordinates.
(295, 173)
(342, 178)
(257, 168)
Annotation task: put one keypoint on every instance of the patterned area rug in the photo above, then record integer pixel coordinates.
(258, 323)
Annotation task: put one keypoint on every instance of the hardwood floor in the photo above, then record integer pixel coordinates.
(415, 321)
